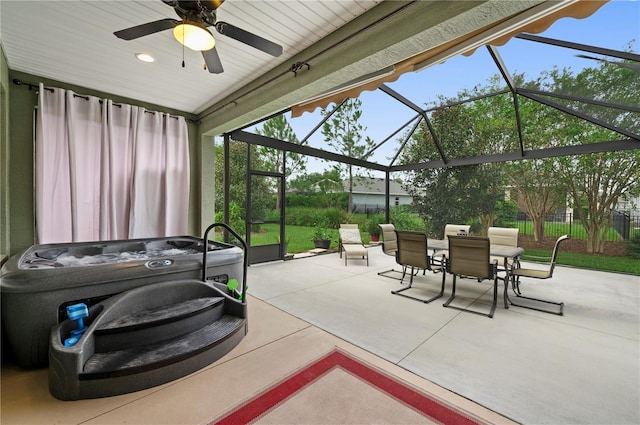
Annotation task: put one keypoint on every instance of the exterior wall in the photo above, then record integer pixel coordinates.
(369, 192)
(4, 157)
(20, 162)
(379, 199)
(632, 204)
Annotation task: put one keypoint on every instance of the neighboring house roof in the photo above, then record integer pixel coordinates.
(374, 185)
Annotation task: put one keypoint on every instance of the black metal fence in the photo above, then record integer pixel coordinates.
(624, 226)
(368, 209)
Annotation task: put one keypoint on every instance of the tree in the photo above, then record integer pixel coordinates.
(593, 183)
(534, 181)
(261, 193)
(452, 194)
(597, 180)
(535, 185)
(322, 186)
(279, 128)
(344, 133)
(327, 181)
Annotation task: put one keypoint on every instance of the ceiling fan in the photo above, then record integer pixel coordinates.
(192, 31)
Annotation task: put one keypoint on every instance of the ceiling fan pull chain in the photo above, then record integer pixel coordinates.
(198, 16)
(183, 47)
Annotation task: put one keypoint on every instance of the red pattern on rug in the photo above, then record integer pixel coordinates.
(258, 405)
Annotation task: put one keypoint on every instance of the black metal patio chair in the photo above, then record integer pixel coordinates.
(469, 257)
(412, 252)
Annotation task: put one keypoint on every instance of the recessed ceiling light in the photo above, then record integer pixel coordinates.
(144, 57)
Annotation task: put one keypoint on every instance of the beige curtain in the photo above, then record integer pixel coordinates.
(108, 171)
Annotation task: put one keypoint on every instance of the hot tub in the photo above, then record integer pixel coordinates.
(38, 284)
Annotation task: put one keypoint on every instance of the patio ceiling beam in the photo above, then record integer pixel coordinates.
(404, 142)
(470, 99)
(579, 114)
(397, 96)
(366, 155)
(388, 34)
(256, 139)
(581, 99)
(497, 59)
(322, 121)
(584, 47)
(434, 136)
(588, 148)
(400, 98)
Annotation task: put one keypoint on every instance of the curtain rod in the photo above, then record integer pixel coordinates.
(31, 86)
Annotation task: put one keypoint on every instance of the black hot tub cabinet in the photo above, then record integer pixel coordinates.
(37, 285)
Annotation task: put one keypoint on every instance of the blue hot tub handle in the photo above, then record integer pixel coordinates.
(245, 261)
(76, 312)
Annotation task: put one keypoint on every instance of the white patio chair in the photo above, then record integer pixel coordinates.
(389, 247)
(503, 236)
(455, 230)
(546, 273)
(351, 243)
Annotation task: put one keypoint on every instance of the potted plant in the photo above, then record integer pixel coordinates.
(287, 239)
(322, 236)
(373, 227)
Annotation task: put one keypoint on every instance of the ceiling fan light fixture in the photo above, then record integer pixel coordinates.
(194, 36)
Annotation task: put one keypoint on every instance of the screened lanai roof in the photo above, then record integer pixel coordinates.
(394, 109)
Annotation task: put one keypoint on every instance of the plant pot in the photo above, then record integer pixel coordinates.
(322, 243)
(374, 238)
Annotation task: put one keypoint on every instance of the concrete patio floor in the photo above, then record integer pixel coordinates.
(532, 367)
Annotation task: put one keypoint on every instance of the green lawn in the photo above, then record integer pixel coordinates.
(595, 262)
(300, 240)
(300, 237)
(575, 230)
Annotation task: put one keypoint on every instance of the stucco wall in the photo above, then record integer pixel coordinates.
(4, 157)
(373, 199)
(20, 162)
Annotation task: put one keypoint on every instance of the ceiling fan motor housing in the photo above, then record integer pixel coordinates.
(202, 11)
(202, 14)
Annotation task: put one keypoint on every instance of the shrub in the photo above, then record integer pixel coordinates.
(301, 200)
(403, 218)
(505, 213)
(305, 216)
(321, 232)
(338, 200)
(373, 224)
(633, 245)
(236, 218)
(335, 217)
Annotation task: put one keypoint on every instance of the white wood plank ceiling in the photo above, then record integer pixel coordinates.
(73, 42)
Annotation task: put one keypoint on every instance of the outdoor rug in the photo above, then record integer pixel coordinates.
(341, 389)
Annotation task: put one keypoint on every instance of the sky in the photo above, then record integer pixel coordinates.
(613, 26)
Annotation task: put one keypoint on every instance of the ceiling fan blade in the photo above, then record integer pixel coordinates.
(212, 60)
(146, 29)
(249, 39)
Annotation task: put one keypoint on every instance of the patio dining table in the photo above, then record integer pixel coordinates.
(496, 250)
